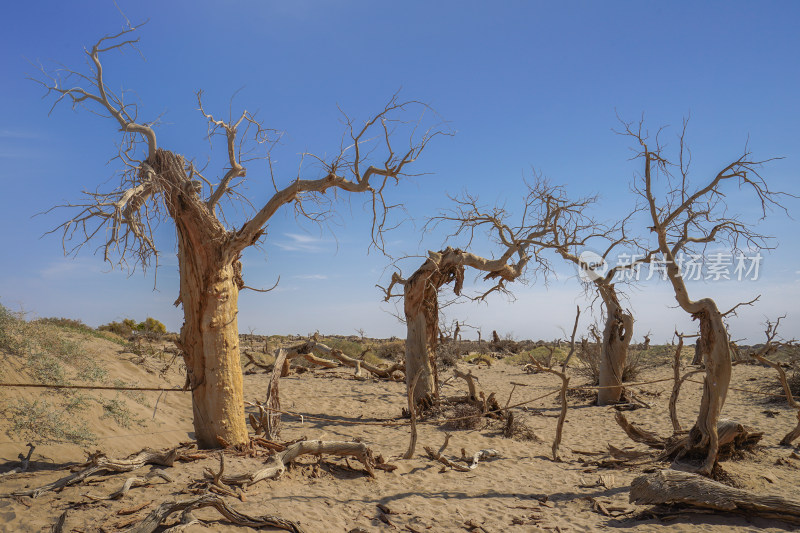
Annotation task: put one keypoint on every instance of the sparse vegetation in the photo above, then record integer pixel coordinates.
(52, 351)
(41, 421)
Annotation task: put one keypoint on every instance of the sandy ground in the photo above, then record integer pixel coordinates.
(521, 490)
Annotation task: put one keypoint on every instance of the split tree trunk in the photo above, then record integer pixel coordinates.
(210, 280)
(617, 336)
(422, 323)
(421, 306)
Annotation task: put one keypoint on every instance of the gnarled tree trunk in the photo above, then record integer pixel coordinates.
(210, 280)
(717, 358)
(421, 306)
(617, 336)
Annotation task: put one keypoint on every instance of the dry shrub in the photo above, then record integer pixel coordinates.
(589, 357)
(391, 350)
(468, 417)
(448, 354)
(517, 429)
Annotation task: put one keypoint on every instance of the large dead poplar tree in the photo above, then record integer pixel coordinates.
(571, 238)
(685, 218)
(517, 247)
(157, 184)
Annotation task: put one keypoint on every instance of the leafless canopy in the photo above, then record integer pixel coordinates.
(695, 215)
(520, 237)
(123, 219)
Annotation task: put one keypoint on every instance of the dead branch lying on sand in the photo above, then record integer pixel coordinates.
(306, 350)
(132, 482)
(472, 462)
(158, 515)
(99, 464)
(676, 487)
(639, 435)
(307, 447)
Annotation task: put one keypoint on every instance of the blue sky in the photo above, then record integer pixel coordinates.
(523, 84)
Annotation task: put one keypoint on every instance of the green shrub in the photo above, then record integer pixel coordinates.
(123, 329)
(129, 326)
(152, 325)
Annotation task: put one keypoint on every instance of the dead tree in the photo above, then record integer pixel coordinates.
(421, 289)
(573, 233)
(567, 238)
(771, 346)
(421, 305)
(684, 219)
(569, 231)
(157, 184)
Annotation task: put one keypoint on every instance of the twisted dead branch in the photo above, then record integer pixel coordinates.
(158, 515)
(100, 464)
(281, 460)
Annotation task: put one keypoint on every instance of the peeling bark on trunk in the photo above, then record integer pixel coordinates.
(210, 280)
(714, 343)
(421, 306)
(617, 336)
(422, 321)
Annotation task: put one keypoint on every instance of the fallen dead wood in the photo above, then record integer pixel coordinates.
(637, 434)
(132, 482)
(26, 460)
(731, 436)
(616, 453)
(482, 455)
(437, 456)
(385, 373)
(158, 515)
(307, 348)
(676, 487)
(281, 460)
(99, 464)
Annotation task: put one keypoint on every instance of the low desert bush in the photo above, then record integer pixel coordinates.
(40, 421)
(52, 351)
(391, 350)
(150, 328)
(466, 415)
(589, 358)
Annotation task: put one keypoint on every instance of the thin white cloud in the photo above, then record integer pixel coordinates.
(301, 243)
(311, 276)
(16, 134)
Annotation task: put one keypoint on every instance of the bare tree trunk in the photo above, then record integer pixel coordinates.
(617, 336)
(209, 293)
(698, 354)
(714, 344)
(422, 323)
